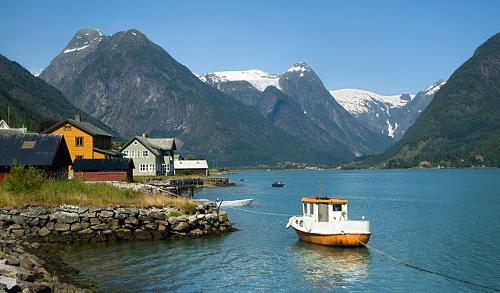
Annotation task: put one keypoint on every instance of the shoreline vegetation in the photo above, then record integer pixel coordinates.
(26, 186)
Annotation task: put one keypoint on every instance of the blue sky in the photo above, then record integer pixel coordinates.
(384, 46)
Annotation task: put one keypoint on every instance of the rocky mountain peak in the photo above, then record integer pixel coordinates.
(433, 88)
(83, 40)
(300, 67)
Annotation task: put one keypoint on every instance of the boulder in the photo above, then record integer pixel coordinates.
(94, 221)
(192, 219)
(181, 226)
(76, 227)
(15, 227)
(62, 227)
(65, 217)
(82, 210)
(88, 215)
(141, 234)
(44, 232)
(157, 216)
(35, 222)
(50, 226)
(123, 234)
(17, 219)
(11, 260)
(131, 221)
(114, 224)
(102, 226)
(27, 264)
(122, 217)
(152, 226)
(17, 233)
(106, 214)
(85, 231)
(196, 232)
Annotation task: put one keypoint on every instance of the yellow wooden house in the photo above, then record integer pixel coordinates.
(85, 140)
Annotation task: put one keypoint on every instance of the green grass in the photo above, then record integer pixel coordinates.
(76, 192)
(175, 214)
(26, 186)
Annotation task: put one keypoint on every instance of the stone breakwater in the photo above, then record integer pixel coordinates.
(29, 236)
(80, 224)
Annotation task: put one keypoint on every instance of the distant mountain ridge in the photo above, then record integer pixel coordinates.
(391, 115)
(324, 121)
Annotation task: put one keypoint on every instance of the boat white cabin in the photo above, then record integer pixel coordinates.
(325, 221)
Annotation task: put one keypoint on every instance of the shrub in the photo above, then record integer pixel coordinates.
(190, 208)
(174, 214)
(23, 179)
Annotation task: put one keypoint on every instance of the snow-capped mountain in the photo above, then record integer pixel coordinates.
(390, 115)
(298, 102)
(257, 78)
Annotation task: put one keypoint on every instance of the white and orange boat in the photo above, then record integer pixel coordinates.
(325, 221)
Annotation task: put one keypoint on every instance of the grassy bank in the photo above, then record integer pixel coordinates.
(26, 186)
(75, 192)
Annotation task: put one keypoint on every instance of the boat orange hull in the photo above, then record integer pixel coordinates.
(345, 240)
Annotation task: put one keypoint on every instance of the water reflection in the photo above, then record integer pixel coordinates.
(331, 267)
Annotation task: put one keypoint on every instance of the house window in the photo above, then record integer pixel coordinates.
(78, 157)
(145, 154)
(143, 167)
(125, 154)
(67, 127)
(151, 167)
(132, 154)
(79, 141)
(164, 169)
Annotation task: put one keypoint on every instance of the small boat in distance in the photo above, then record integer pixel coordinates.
(324, 221)
(234, 203)
(243, 179)
(278, 184)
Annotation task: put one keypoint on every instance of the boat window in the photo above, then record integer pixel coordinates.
(305, 209)
(311, 209)
(337, 207)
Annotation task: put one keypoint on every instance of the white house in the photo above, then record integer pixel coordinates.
(189, 167)
(151, 156)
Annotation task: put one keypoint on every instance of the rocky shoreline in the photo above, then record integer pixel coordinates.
(28, 234)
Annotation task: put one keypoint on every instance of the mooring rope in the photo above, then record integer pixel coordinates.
(403, 263)
(262, 213)
(397, 260)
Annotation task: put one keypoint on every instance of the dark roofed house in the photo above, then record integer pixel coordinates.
(114, 169)
(85, 140)
(46, 152)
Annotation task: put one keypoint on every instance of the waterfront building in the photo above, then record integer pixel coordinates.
(85, 140)
(43, 151)
(191, 167)
(151, 156)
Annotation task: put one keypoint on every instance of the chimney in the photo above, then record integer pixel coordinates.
(143, 135)
(78, 118)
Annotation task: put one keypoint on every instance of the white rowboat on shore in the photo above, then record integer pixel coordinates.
(235, 203)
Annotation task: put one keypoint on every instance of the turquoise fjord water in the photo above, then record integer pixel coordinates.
(444, 220)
